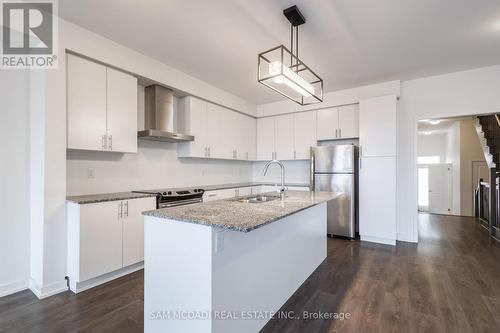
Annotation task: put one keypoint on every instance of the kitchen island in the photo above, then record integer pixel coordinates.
(229, 265)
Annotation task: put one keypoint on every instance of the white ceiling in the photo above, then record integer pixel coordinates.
(347, 42)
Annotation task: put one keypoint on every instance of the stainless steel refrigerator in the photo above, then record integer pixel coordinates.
(335, 169)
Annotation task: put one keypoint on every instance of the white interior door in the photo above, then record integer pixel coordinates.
(440, 188)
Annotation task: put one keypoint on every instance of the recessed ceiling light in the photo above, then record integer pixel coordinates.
(428, 133)
(434, 121)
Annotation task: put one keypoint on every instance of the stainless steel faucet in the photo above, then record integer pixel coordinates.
(283, 188)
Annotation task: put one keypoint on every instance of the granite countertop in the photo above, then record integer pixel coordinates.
(95, 198)
(231, 214)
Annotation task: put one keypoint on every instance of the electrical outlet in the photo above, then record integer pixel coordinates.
(90, 173)
(219, 241)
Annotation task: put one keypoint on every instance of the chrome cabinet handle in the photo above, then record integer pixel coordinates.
(126, 209)
(340, 132)
(104, 142)
(336, 133)
(208, 151)
(110, 142)
(294, 154)
(120, 210)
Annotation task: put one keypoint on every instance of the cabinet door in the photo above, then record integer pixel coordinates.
(304, 134)
(327, 124)
(121, 111)
(246, 137)
(377, 126)
(377, 199)
(192, 119)
(219, 122)
(284, 137)
(348, 121)
(133, 229)
(100, 239)
(265, 139)
(86, 98)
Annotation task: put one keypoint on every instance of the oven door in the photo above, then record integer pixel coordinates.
(178, 202)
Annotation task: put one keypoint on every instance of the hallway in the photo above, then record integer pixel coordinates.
(446, 283)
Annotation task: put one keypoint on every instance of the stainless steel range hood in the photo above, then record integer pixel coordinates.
(159, 117)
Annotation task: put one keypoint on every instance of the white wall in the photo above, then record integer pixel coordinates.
(456, 94)
(453, 157)
(470, 151)
(154, 166)
(334, 98)
(14, 181)
(433, 145)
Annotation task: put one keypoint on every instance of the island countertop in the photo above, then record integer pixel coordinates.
(231, 214)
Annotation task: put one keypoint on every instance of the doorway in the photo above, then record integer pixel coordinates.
(435, 188)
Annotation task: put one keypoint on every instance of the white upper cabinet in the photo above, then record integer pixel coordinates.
(304, 134)
(265, 139)
(102, 107)
(340, 122)
(284, 137)
(86, 89)
(218, 132)
(377, 126)
(348, 121)
(327, 124)
(247, 144)
(121, 111)
(192, 119)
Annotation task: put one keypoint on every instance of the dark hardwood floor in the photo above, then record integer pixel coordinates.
(449, 282)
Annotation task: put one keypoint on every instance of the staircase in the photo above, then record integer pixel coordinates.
(486, 196)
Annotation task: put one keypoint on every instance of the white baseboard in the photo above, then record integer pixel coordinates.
(48, 290)
(78, 287)
(13, 287)
(378, 240)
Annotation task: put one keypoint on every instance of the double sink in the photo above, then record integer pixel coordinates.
(258, 198)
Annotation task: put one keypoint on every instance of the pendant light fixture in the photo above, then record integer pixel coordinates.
(281, 69)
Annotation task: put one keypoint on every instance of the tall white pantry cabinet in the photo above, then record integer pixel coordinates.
(377, 169)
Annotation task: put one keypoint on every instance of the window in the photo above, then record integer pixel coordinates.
(428, 160)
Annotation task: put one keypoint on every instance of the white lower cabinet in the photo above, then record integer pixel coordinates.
(377, 199)
(104, 238)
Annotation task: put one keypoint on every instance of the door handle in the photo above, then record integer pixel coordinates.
(126, 209)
